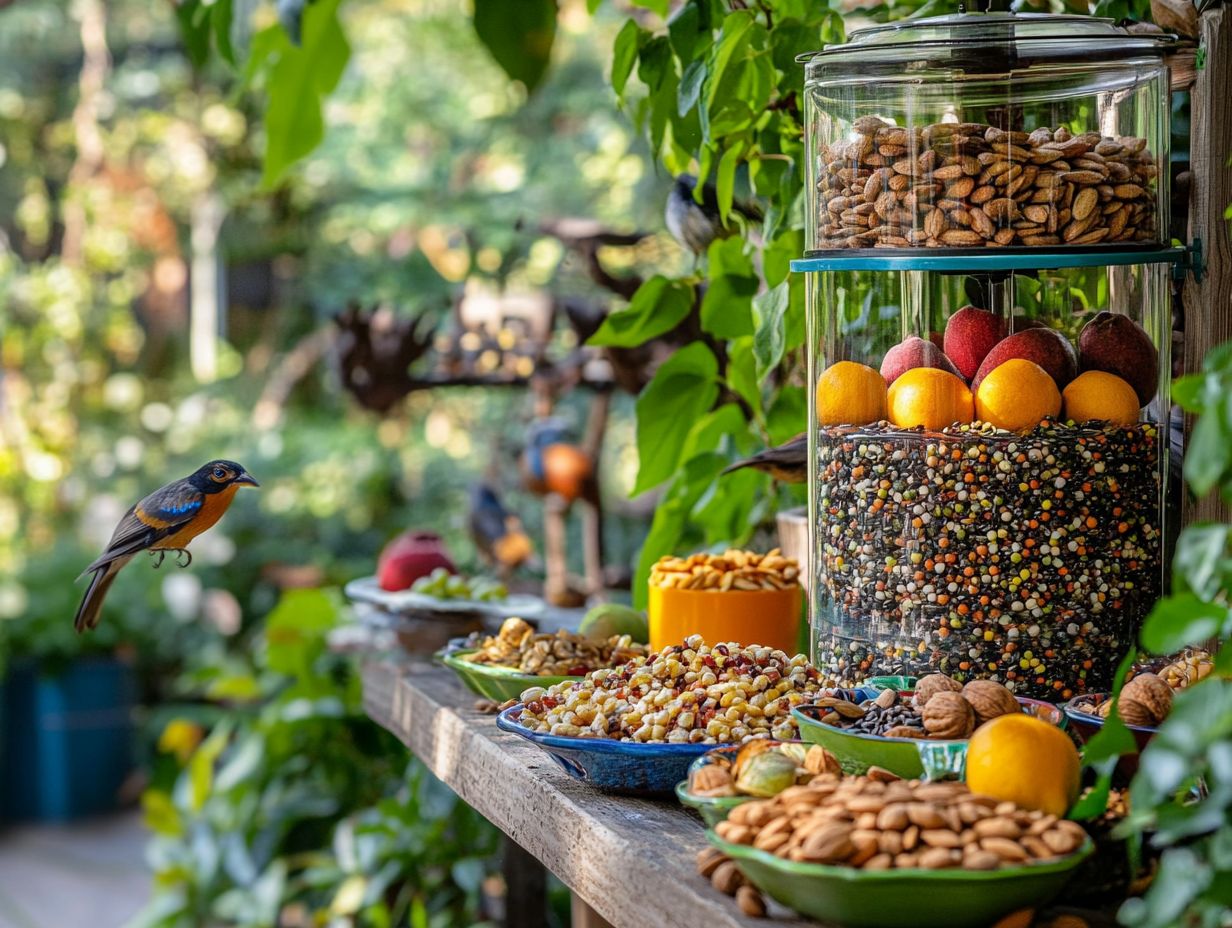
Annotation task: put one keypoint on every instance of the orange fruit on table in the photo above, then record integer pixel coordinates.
(1016, 395)
(850, 394)
(1026, 761)
(1100, 395)
(929, 397)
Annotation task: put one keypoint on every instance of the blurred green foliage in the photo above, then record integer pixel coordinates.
(295, 809)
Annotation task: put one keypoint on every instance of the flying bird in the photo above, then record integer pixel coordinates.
(166, 520)
(787, 462)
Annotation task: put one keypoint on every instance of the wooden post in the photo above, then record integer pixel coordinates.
(526, 888)
(1208, 303)
(583, 916)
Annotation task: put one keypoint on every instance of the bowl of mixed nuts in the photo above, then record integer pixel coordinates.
(517, 658)
(637, 728)
(740, 596)
(871, 852)
(912, 733)
(726, 777)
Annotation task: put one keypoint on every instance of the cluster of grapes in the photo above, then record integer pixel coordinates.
(444, 585)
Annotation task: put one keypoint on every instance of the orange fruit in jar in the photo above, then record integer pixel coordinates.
(1021, 759)
(1103, 396)
(850, 394)
(929, 397)
(1016, 395)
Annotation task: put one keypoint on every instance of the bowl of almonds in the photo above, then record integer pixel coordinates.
(913, 733)
(740, 596)
(864, 851)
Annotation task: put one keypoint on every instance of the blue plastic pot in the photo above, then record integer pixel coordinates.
(67, 740)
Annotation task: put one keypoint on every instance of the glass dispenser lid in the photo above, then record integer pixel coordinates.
(988, 41)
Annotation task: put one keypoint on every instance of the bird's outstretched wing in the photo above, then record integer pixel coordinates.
(158, 516)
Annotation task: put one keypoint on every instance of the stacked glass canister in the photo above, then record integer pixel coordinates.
(989, 332)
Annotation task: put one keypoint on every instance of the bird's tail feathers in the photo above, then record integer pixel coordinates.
(90, 610)
(740, 465)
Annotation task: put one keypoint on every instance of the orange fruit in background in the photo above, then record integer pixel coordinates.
(1100, 395)
(1026, 761)
(1016, 395)
(929, 397)
(850, 394)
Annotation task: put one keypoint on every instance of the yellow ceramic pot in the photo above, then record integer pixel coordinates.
(748, 617)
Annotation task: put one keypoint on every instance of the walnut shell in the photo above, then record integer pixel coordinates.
(948, 715)
(928, 687)
(989, 700)
(1145, 700)
(904, 731)
(712, 780)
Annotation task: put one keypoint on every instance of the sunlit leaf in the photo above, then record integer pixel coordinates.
(683, 389)
(1181, 620)
(624, 54)
(658, 306)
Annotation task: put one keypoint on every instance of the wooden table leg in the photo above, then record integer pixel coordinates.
(586, 917)
(526, 888)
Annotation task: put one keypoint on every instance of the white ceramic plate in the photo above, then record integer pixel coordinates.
(407, 602)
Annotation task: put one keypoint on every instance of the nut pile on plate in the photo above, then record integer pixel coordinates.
(942, 708)
(731, 570)
(518, 647)
(904, 824)
(691, 693)
(761, 768)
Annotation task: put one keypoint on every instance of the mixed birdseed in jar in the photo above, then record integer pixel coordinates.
(1030, 559)
(688, 693)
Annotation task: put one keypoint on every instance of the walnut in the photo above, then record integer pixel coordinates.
(1145, 700)
(928, 687)
(989, 700)
(712, 780)
(948, 715)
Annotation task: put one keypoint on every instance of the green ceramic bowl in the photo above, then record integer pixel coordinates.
(902, 898)
(712, 809)
(909, 759)
(900, 684)
(496, 683)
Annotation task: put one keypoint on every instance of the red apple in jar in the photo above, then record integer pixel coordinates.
(410, 556)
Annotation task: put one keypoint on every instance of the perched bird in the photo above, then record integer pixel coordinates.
(787, 462)
(695, 225)
(551, 464)
(497, 533)
(166, 520)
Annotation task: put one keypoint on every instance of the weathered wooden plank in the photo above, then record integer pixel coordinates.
(630, 860)
(1208, 303)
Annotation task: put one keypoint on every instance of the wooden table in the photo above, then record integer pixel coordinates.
(630, 860)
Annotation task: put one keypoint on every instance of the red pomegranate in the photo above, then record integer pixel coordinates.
(410, 556)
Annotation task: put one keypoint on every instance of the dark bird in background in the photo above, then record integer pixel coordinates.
(497, 532)
(695, 225)
(166, 520)
(787, 462)
(552, 464)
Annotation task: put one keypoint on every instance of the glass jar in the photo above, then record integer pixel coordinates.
(987, 496)
(988, 130)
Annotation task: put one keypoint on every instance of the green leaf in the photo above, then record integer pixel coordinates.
(1181, 620)
(193, 21)
(690, 87)
(291, 15)
(770, 332)
(1208, 455)
(1202, 562)
(685, 31)
(655, 64)
(742, 373)
(727, 305)
(732, 39)
(624, 55)
(519, 36)
(298, 82)
(682, 391)
(655, 6)
(725, 178)
(658, 306)
(1113, 739)
(787, 415)
(295, 630)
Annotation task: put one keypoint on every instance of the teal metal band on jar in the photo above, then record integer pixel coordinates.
(1037, 259)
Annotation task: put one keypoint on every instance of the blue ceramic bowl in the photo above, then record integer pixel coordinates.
(632, 768)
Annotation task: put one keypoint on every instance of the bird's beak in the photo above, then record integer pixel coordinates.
(246, 479)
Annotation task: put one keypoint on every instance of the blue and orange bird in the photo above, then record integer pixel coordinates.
(550, 464)
(166, 520)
